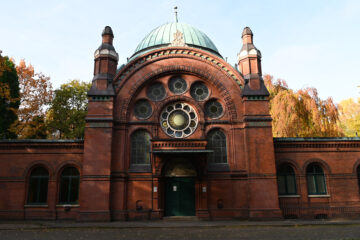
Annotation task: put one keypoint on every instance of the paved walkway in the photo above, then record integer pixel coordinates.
(37, 224)
(170, 229)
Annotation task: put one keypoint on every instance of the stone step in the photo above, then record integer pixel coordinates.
(181, 218)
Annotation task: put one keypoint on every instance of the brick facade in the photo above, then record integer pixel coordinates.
(244, 186)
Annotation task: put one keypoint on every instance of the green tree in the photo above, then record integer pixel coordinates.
(301, 113)
(66, 116)
(9, 97)
(36, 128)
(350, 117)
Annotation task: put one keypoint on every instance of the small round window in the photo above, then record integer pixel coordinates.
(178, 120)
(213, 109)
(199, 91)
(177, 85)
(142, 109)
(156, 92)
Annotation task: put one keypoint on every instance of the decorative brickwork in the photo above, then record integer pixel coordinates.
(200, 144)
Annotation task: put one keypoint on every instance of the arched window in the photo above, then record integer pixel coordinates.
(140, 148)
(69, 186)
(315, 179)
(38, 186)
(358, 176)
(286, 180)
(217, 142)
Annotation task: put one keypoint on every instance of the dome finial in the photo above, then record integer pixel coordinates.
(107, 31)
(175, 10)
(247, 31)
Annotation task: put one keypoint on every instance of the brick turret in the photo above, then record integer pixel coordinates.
(249, 62)
(106, 59)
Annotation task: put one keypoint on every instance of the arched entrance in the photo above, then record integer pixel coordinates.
(179, 176)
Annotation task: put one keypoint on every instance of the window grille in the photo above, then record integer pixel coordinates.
(286, 180)
(315, 180)
(38, 186)
(69, 186)
(140, 147)
(217, 142)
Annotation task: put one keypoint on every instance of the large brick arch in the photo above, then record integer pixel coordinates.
(138, 63)
(130, 81)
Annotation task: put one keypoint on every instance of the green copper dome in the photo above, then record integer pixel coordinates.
(164, 35)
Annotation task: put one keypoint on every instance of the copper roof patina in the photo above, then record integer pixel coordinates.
(164, 35)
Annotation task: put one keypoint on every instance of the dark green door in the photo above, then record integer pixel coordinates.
(180, 196)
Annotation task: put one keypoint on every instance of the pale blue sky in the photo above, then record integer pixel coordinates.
(311, 43)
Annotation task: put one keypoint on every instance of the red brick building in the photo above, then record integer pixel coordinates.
(178, 131)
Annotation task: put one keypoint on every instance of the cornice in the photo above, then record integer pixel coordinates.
(46, 144)
(178, 143)
(319, 143)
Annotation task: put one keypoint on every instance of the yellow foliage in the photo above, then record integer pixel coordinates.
(350, 117)
(301, 113)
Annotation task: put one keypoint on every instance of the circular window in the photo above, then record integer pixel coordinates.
(142, 109)
(156, 92)
(177, 85)
(213, 109)
(178, 120)
(199, 91)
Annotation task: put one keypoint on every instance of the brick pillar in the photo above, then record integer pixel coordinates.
(259, 146)
(95, 180)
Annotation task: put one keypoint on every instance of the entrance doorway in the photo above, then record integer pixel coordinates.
(180, 196)
(179, 176)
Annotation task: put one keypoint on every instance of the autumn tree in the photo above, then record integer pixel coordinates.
(350, 117)
(9, 96)
(35, 97)
(66, 116)
(301, 113)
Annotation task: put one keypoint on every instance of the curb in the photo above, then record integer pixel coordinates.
(13, 226)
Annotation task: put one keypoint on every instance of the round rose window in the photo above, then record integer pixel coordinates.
(177, 85)
(178, 120)
(156, 92)
(142, 109)
(199, 91)
(213, 109)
